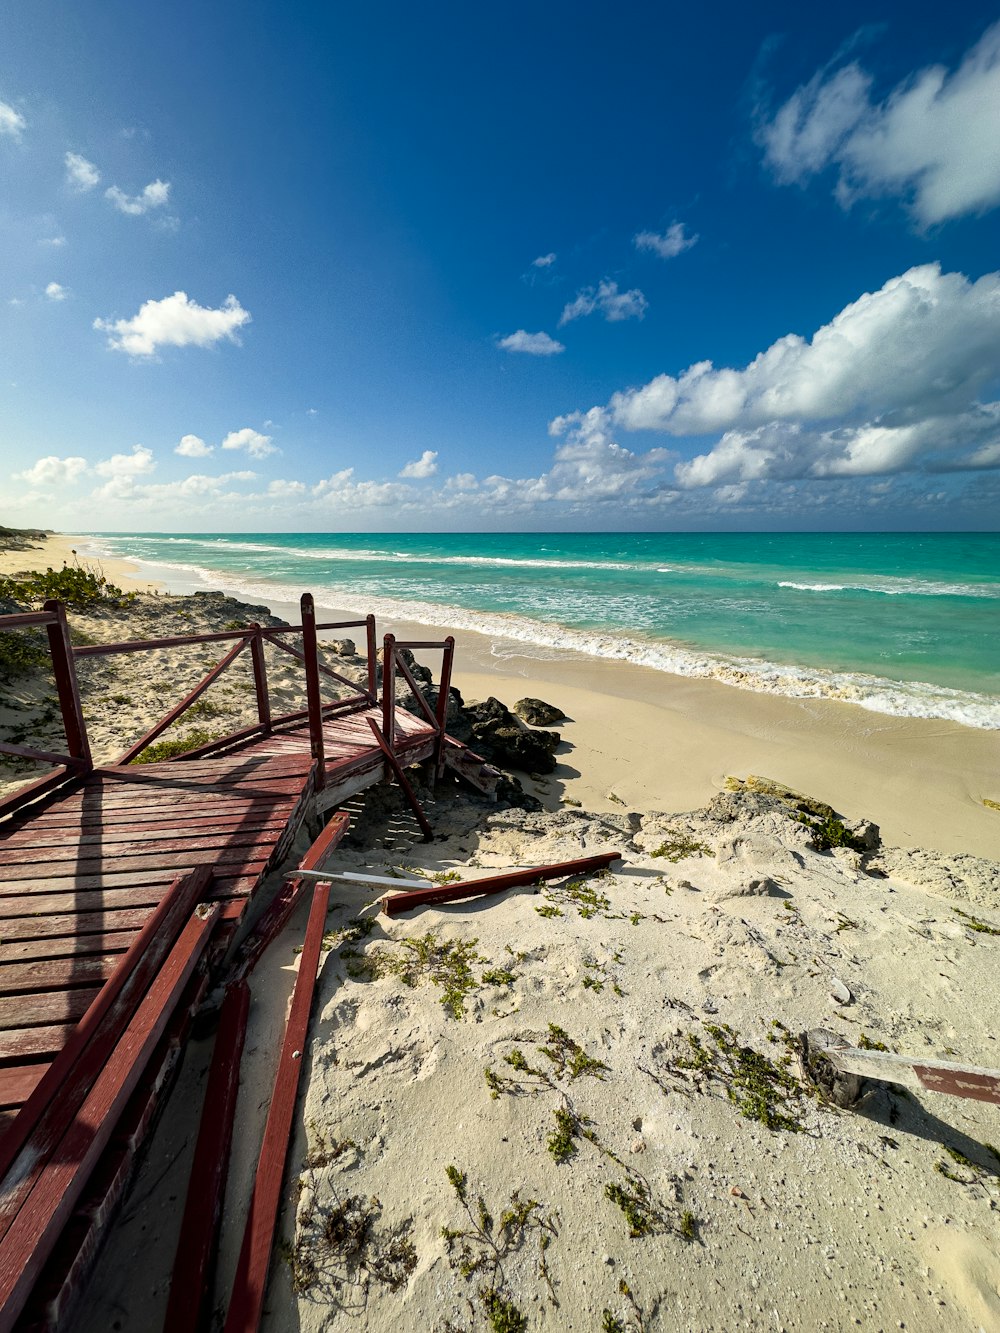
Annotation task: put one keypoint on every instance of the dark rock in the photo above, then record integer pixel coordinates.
(538, 713)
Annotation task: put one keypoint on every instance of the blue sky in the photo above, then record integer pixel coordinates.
(546, 267)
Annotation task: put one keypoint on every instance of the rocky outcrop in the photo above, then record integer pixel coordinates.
(497, 734)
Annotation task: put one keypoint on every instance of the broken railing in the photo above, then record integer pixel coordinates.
(393, 661)
(253, 638)
(77, 760)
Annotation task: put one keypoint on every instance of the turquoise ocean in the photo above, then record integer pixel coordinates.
(898, 623)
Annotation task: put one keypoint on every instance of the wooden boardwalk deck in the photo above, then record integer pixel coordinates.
(92, 860)
(81, 873)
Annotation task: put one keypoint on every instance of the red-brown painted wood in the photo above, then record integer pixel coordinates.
(32, 791)
(247, 1298)
(311, 657)
(57, 1187)
(393, 904)
(65, 946)
(56, 973)
(93, 1039)
(83, 850)
(191, 1280)
(18, 1082)
(67, 688)
(403, 781)
(160, 832)
(20, 1043)
(60, 896)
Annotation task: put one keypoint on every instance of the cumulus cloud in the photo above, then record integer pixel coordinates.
(136, 464)
(12, 123)
(608, 301)
(53, 471)
(892, 383)
(286, 490)
(544, 261)
(674, 241)
(256, 444)
(155, 195)
(424, 466)
(535, 344)
(933, 140)
(56, 292)
(56, 242)
(81, 175)
(175, 321)
(192, 446)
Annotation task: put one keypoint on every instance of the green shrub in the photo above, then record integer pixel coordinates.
(75, 585)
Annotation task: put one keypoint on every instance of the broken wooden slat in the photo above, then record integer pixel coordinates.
(356, 877)
(36, 1227)
(273, 921)
(247, 1298)
(982, 1085)
(393, 904)
(191, 1280)
(401, 778)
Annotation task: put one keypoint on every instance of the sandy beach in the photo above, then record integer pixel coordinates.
(580, 1108)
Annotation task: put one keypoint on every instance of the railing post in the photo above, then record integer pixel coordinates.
(372, 664)
(67, 687)
(442, 701)
(311, 654)
(389, 696)
(260, 677)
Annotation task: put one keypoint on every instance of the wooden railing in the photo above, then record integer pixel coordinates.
(393, 661)
(77, 760)
(255, 637)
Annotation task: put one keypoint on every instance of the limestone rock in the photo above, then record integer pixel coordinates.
(786, 795)
(538, 713)
(340, 647)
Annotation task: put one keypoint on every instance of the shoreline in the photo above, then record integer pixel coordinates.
(645, 739)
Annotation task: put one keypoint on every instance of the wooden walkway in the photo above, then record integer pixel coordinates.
(80, 875)
(120, 888)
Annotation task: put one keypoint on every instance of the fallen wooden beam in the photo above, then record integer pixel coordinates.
(274, 920)
(402, 779)
(838, 1067)
(393, 904)
(191, 1281)
(247, 1298)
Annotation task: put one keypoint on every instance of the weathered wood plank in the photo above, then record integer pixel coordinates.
(191, 1279)
(79, 869)
(56, 973)
(247, 1297)
(66, 945)
(25, 1011)
(18, 1082)
(132, 833)
(82, 853)
(149, 814)
(114, 891)
(19, 1043)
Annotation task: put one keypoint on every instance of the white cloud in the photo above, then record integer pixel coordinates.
(674, 241)
(56, 292)
(155, 195)
(340, 490)
(53, 471)
(12, 123)
(81, 175)
(462, 481)
(256, 445)
(933, 140)
(924, 340)
(56, 242)
(608, 301)
(424, 466)
(544, 261)
(193, 446)
(535, 344)
(175, 321)
(286, 489)
(892, 383)
(136, 464)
